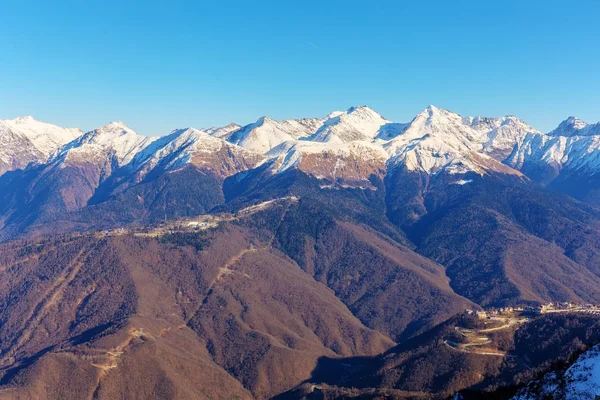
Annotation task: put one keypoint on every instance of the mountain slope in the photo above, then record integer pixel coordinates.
(114, 176)
(267, 133)
(566, 160)
(25, 140)
(170, 316)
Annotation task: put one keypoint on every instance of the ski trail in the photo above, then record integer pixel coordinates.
(114, 356)
(50, 298)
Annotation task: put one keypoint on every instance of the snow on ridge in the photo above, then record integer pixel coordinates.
(435, 140)
(46, 137)
(115, 140)
(182, 146)
(574, 126)
(223, 132)
(580, 381)
(266, 133)
(291, 152)
(357, 123)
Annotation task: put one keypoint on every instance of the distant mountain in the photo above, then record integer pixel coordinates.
(573, 126)
(25, 140)
(567, 159)
(267, 133)
(434, 140)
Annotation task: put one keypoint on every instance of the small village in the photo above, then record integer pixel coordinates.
(547, 308)
(196, 223)
(480, 324)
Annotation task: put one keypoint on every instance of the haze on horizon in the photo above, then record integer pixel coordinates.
(157, 67)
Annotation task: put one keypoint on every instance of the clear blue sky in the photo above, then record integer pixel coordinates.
(158, 65)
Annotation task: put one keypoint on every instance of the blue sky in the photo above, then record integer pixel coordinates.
(159, 65)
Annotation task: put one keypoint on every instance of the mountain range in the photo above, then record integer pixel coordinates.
(349, 237)
(361, 141)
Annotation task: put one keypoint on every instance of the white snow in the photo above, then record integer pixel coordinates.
(573, 126)
(435, 141)
(581, 381)
(178, 149)
(462, 181)
(44, 136)
(115, 140)
(266, 133)
(223, 132)
(25, 140)
(572, 152)
(357, 123)
(290, 153)
(583, 377)
(438, 139)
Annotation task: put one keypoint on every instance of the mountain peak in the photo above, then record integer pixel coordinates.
(361, 110)
(574, 126)
(358, 108)
(264, 120)
(575, 122)
(430, 111)
(23, 120)
(115, 125)
(223, 132)
(110, 132)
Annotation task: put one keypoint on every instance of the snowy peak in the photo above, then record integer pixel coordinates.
(115, 125)
(223, 132)
(357, 123)
(267, 133)
(438, 139)
(113, 129)
(364, 112)
(195, 147)
(431, 110)
(573, 147)
(435, 140)
(573, 126)
(114, 140)
(25, 140)
(45, 137)
(112, 135)
(23, 120)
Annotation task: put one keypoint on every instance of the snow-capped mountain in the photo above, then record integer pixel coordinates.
(223, 132)
(350, 163)
(406, 223)
(355, 124)
(267, 133)
(344, 146)
(568, 158)
(114, 142)
(25, 140)
(438, 139)
(573, 126)
(434, 140)
(198, 148)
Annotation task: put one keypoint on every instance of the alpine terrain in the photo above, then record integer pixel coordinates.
(332, 257)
